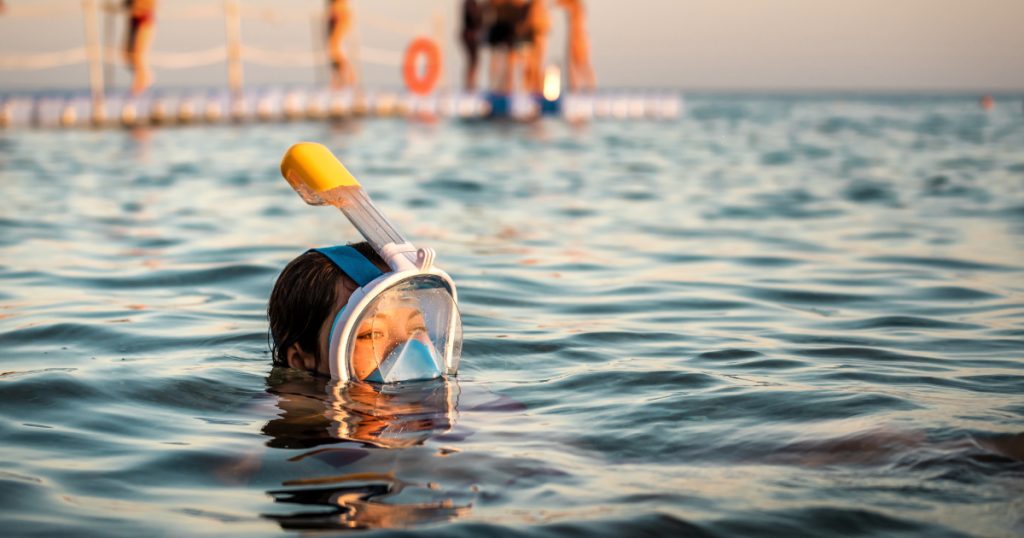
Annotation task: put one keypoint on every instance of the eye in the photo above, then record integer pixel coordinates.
(370, 335)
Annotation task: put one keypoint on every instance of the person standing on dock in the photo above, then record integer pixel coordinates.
(581, 74)
(504, 36)
(472, 30)
(141, 20)
(339, 24)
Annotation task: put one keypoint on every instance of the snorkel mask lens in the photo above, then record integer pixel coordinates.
(410, 331)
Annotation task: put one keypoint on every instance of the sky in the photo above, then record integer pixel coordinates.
(738, 45)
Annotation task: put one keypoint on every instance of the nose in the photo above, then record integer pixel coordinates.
(392, 345)
(398, 336)
(404, 336)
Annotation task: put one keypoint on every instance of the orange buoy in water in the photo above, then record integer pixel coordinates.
(987, 102)
(422, 83)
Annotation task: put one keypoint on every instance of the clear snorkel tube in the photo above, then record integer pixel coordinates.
(313, 171)
(320, 179)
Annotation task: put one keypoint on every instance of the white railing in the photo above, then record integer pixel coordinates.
(32, 61)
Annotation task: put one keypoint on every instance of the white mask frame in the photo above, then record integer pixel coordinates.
(343, 328)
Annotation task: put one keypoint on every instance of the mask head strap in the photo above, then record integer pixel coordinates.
(352, 263)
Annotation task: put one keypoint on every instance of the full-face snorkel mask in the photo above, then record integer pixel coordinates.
(401, 325)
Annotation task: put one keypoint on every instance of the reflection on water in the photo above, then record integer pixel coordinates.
(358, 502)
(342, 423)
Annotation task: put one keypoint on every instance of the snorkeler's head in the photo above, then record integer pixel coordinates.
(326, 318)
(308, 293)
(395, 314)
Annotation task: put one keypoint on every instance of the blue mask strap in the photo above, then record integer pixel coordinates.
(352, 263)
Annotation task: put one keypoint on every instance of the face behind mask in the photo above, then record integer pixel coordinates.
(408, 331)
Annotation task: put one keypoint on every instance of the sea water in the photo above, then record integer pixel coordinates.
(773, 316)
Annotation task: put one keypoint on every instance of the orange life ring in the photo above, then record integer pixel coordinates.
(417, 83)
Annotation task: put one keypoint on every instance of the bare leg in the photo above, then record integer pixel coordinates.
(540, 48)
(337, 57)
(346, 74)
(494, 77)
(140, 59)
(526, 57)
(573, 82)
(472, 61)
(508, 84)
(471, 77)
(336, 82)
(587, 72)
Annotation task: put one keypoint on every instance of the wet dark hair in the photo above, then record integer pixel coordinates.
(303, 296)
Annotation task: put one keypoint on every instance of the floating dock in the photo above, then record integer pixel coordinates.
(191, 107)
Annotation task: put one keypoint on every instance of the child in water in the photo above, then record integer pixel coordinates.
(375, 311)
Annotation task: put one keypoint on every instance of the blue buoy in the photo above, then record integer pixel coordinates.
(548, 107)
(501, 105)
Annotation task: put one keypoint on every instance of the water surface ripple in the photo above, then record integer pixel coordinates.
(776, 316)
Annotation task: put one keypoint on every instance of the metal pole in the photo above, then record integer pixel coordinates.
(109, 13)
(233, 30)
(93, 52)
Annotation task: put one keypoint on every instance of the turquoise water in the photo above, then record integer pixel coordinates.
(790, 316)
